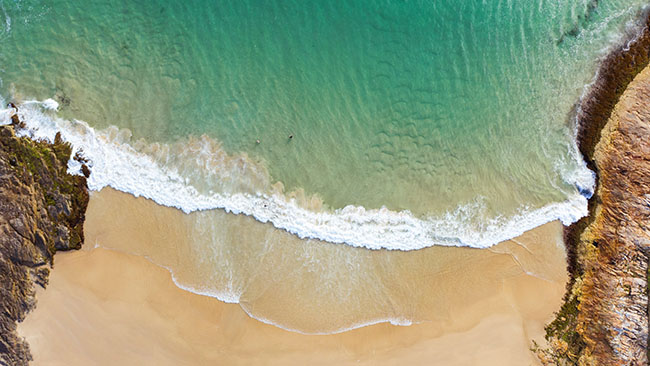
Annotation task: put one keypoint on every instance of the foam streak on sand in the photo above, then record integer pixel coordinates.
(156, 172)
(132, 306)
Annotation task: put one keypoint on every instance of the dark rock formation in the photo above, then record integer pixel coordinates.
(615, 73)
(604, 320)
(42, 210)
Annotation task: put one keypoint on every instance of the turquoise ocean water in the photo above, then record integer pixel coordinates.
(452, 110)
(414, 123)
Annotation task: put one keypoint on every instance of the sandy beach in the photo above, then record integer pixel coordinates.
(324, 183)
(106, 307)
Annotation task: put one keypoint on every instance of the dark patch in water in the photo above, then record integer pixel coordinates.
(583, 19)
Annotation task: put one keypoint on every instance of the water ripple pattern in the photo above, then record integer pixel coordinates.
(412, 123)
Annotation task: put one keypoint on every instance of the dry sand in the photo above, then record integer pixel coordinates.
(105, 307)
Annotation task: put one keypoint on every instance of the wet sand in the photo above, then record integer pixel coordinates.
(106, 307)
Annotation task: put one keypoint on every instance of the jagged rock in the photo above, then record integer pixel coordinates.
(604, 320)
(614, 303)
(42, 210)
(85, 170)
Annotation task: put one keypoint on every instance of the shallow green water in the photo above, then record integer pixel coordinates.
(420, 105)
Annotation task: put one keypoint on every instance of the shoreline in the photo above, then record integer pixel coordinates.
(130, 305)
(363, 287)
(122, 291)
(115, 157)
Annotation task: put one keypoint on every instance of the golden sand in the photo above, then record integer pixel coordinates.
(105, 307)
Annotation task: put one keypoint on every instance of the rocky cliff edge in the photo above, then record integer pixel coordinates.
(42, 210)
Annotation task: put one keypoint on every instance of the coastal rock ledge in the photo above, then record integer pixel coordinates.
(42, 210)
(604, 319)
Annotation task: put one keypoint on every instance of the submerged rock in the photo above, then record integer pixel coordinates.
(42, 210)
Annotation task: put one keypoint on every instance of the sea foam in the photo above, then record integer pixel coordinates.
(116, 162)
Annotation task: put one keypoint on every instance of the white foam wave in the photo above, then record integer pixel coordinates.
(116, 162)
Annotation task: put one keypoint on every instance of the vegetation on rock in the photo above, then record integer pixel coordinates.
(42, 210)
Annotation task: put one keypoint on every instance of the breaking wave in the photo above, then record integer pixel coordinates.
(197, 174)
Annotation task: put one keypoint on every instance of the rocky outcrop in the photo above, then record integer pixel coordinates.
(604, 320)
(42, 210)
